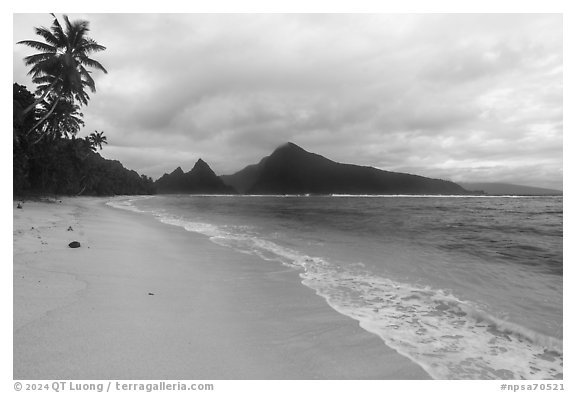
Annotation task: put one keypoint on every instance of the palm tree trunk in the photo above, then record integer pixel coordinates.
(39, 100)
(82, 190)
(44, 118)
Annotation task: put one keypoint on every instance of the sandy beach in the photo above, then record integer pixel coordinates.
(144, 300)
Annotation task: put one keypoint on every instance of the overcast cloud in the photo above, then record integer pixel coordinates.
(459, 97)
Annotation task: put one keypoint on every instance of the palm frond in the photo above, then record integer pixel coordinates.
(88, 81)
(68, 24)
(42, 80)
(38, 45)
(37, 58)
(50, 66)
(82, 28)
(85, 60)
(76, 31)
(90, 46)
(81, 96)
(70, 32)
(45, 33)
(38, 70)
(58, 33)
(48, 79)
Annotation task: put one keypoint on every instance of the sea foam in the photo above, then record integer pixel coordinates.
(447, 337)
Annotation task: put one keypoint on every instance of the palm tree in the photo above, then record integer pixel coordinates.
(65, 119)
(60, 67)
(97, 139)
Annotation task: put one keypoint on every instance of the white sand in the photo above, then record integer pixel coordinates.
(86, 313)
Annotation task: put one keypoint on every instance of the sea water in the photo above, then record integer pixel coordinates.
(466, 287)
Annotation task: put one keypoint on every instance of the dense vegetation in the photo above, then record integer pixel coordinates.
(47, 156)
(61, 164)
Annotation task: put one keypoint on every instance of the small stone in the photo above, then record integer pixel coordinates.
(150, 293)
(74, 244)
(70, 228)
(18, 206)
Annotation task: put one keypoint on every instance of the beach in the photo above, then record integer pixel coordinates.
(143, 300)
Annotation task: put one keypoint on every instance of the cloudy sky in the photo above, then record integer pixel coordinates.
(463, 97)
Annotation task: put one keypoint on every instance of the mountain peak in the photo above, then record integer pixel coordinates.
(177, 171)
(201, 164)
(289, 146)
(200, 180)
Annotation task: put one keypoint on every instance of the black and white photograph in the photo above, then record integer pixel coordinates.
(287, 196)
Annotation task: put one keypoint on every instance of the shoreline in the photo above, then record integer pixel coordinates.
(145, 300)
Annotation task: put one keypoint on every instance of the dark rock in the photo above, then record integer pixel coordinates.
(74, 244)
(70, 229)
(150, 293)
(19, 206)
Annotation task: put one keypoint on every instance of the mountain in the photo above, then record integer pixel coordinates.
(199, 180)
(243, 180)
(508, 189)
(292, 170)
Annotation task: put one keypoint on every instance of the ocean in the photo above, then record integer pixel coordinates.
(466, 287)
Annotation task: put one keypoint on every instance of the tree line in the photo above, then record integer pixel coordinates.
(47, 155)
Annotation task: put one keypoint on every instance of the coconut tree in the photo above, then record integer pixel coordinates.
(60, 68)
(97, 138)
(65, 119)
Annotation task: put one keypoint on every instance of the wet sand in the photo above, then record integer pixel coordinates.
(144, 300)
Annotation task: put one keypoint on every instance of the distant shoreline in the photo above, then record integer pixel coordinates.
(347, 196)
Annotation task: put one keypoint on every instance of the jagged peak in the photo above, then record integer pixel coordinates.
(201, 164)
(177, 171)
(202, 167)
